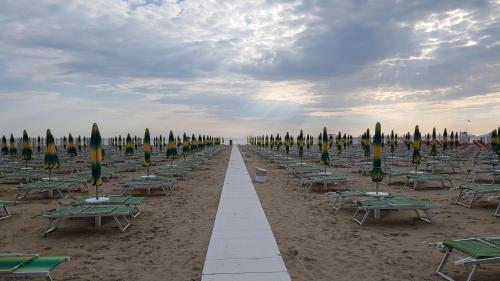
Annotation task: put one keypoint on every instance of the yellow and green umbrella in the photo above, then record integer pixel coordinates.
(147, 150)
(266, 142)
(377, 173)
(26, 150)
(38, 144)
(65, 142)
(12, 146)
(344, 141)
(96, 158)
(287, 143)
(433, 143)
(71, 146)
(300, 142)
(194, 143)
(320, 142)
(5, 148)
(171, 147)
(129, 148)
(391, 141)
(185, 145)
(338, 142)
(272, 142)
(51, 159)
(325, 156)
(445, 141)
(417, 143)
(79, 143)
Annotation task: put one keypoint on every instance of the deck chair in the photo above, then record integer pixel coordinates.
(117, 212)
(4, 204)
(24, 190)
(165, 183)
(478, 251)
(475, 192)
(323, 179)
(28, 266)
(124, 200)
(425, 177)
(348, 198)
(421, 207)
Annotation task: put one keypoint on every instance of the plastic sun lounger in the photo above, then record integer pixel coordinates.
(425, 177)
(325, 180)
(479, 251)
(118, 213)
(123, 200)
(348, 198)
(4, 205)
(421, 207)
(165, 183)
(475, 192)
(62, 188)
(28, 266)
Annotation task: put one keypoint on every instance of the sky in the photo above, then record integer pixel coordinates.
(238, 68)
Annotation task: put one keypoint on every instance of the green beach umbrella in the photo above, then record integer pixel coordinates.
(271, 142)
(300, 141)
(325, 157)
(417, 143)
(344, 141)
(79, 143)
(338, 142)
(185, 145)
(391, 139)
(330, 142)
(287, 143)
(494, 140)
(396, 140)
(433, 143)
(65, 143)
(377, 173)
(12, 146)
(194, 145)
(96, 158)
(452, 139)
(171, 147)
(200, 142)
(147, 151)
(445, 141)
(278, 143)
(266, 142)
(129, 148)
(5, 148)
(38, 144)
(136, 145)
(51, 159)
(71, 146)
(457, 142)
(308, 144)
(320, 141)
(26, 150)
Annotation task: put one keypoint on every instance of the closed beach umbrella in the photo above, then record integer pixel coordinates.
(338, 142)
(391, 138)
(193, 143)
(38, 144)
(433, 148)
(300, 142)
(377, 173)
(79, 143)
(12, 146)
(51, 159)
(185, 145)
(417, 143)
(5, 148)
(147, 151)
(287, 143)
(445, 141)
(320, 141)
(96, 158)
(71, 146)
(26, 151)
(171, 147)
(129, 148)
(325, 157)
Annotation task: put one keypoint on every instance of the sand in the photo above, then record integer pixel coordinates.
(319, 244)
(167, 241)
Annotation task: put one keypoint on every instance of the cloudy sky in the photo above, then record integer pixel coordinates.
(248, 67)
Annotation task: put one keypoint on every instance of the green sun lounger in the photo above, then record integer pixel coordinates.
(4, 204)
(421, 207)
(124, 200)
(469, 193)
(349, 198)
(164, 183)
(478, 251)
(118, 212)
(28, 266)
(417, 178)
(62, 188)
(324, 179)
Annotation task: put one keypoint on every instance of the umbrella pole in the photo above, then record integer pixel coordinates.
(147, 171)
(50, 173)
(376, 187)
(96, 194)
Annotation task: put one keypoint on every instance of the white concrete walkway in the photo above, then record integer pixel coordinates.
(242, 246)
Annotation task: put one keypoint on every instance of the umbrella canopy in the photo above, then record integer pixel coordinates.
(5, 148)
(26, 150)
(377, 174)
(287, 142)
(12, 146)
(38, 144)
(266, 142)
(344, 141)
(433, 143)
(96, 157)
(300, 141)
(320, 141)
(417, 143)
(147, 150)
(391, 141)
(79, 143)
(325, 157)
(51, 159)
(194, 145)
(129, 148)
(172, 146)
(338, 142)
(185, 145)
(445, 140)
(71, 146)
